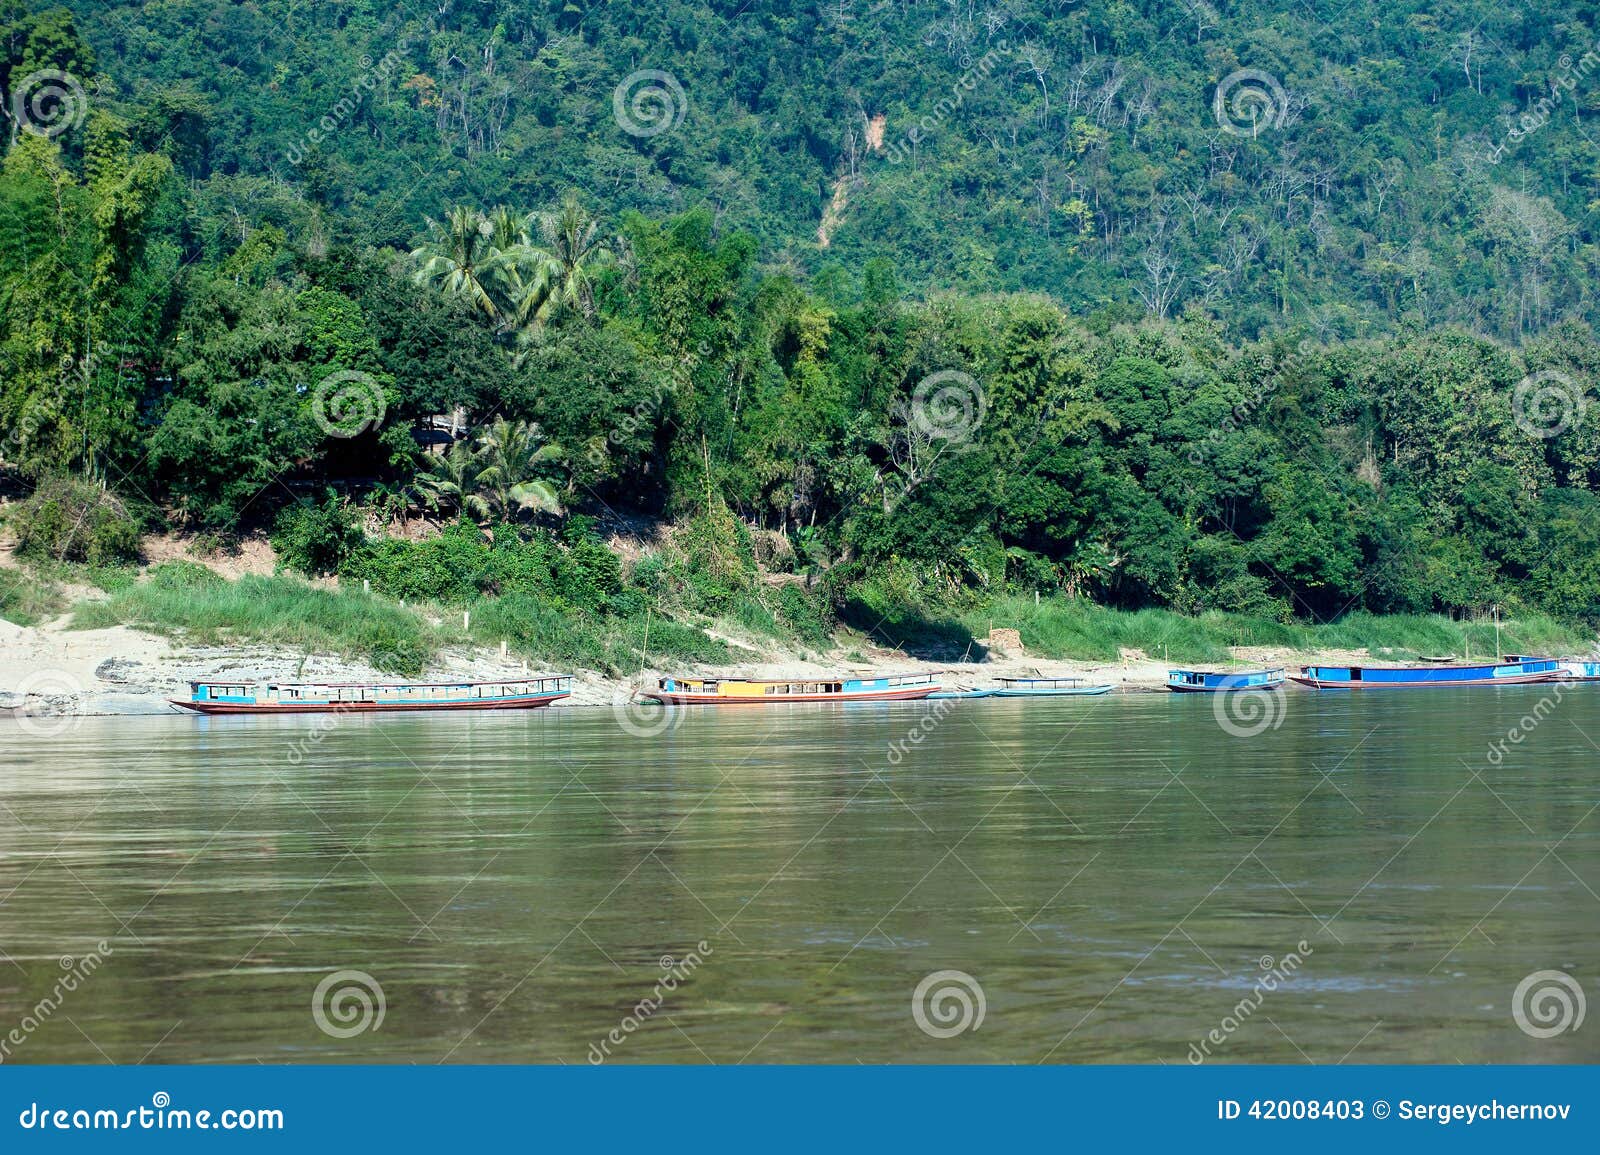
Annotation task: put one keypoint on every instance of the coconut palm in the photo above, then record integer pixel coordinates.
(451, 481)
(509, 454)
(572, 254)
(459, 258)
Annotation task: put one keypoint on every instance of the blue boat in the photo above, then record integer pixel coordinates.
(1501, 673)
(1213, 682)
(249, 696)
(1580, 671)
(961, 694)
(1049, 687)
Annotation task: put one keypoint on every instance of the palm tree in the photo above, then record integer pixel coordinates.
(451, 481)
(509, 454)
(460, 259)
(571, 257)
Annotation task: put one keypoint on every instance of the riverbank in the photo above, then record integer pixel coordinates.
(82, 641)
(54, 670)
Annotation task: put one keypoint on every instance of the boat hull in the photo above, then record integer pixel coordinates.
(941, 695)
(1266, 687)
(1318, 684)
(1221, 682)
(1428, 677)
(689, 698)
(1074, 692)
(529, 702)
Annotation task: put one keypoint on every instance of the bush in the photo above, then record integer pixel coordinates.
(453, 567)
(183, 575)
(72, 519)
(461, 564)
(805, 614)
(316, 539)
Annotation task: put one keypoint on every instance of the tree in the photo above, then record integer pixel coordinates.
(459, 258)
(508, 478)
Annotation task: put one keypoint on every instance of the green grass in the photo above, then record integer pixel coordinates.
(182, 598)
(27, 599)
(105, 577)
(186, 599)
(272, 610)
(1065, 628)
(611, 645)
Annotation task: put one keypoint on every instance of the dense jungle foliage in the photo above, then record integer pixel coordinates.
(1188, 305)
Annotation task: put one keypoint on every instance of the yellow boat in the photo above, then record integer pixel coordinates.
(755, 691)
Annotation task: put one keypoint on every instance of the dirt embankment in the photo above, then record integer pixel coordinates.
(51, 669)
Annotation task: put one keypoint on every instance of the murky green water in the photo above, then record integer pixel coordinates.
(1112, 873)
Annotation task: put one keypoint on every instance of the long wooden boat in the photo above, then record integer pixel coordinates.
(1215, 682)
(1428, 677)
(756, 691)
(1049, 687)
(987, 692)
(242, 697)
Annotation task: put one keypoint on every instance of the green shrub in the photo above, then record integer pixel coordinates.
(316, 539)
(805, 614)
(72, 519)
(461, 565)
(451, 568)
(183, 575)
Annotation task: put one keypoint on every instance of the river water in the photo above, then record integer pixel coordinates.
(1118, 879)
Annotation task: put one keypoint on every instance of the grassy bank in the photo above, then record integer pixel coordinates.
(27, 600)
(186, 599)
(286, 611)
(1070, 629)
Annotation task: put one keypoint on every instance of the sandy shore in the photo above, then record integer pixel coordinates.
(53, 670)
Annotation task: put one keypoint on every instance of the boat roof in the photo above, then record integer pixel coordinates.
(855, 676)
(375, 685)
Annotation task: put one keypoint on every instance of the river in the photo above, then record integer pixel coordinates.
(1123, 879)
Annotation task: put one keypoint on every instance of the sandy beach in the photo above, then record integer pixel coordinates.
(52, 670)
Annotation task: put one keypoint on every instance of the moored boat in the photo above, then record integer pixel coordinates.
(1576, 670)
(246, 697)
(944, 694)
(755, 691)
(1216, 682)
(1410, 677)
(1050, 687)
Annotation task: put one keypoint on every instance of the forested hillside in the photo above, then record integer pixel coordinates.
(1276, 307)
(1374, 161)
